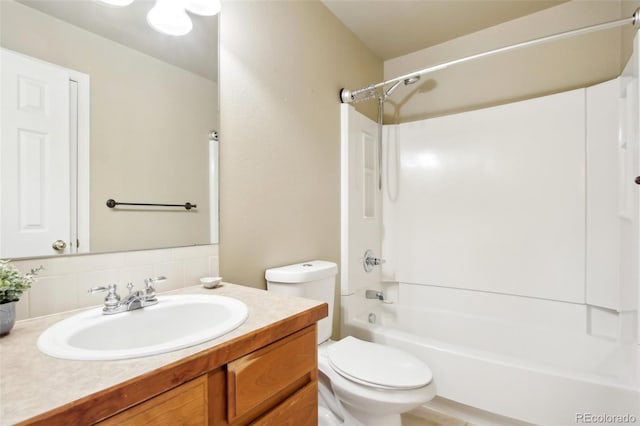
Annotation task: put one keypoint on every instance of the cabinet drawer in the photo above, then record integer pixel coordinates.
(266, 377)
(184, 405)
(301, 409)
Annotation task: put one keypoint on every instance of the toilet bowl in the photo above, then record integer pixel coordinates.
(360, 383)
(373, 383)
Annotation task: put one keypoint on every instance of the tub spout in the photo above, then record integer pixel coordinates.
(374, 294)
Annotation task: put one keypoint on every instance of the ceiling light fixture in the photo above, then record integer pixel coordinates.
(170, 16)
(203, 7)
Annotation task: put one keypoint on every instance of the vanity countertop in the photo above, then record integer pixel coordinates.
(33, 383)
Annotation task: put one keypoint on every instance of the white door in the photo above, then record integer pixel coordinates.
(361, 200)
(34, 157)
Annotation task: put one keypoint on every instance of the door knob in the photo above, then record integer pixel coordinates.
(59, 245)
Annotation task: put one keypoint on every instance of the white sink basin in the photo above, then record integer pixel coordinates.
(176, 322)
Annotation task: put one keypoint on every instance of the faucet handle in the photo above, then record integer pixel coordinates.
(369, 261)
(149, 289)
(111, 288)
(112, 300)
(148, 282)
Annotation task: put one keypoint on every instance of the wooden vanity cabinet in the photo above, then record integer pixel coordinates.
(300, 409)
(273, 378)
(274, 385)
(185, 405)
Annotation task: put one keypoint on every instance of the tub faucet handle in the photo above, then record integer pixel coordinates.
(370, 261)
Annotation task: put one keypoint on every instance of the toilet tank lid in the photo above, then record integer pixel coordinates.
(302, 272)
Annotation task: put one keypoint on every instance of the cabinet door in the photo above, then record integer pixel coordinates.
(262, 379)
(185, 405)
(300, 409)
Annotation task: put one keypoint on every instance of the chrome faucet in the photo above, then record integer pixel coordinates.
(114, 304)
(374, 294)
(133, 300)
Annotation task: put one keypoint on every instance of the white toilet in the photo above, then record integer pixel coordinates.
(360, 383)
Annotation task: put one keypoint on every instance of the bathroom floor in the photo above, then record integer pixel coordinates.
(443, 412)
(433, 419)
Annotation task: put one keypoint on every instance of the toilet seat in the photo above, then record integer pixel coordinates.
(378, 366)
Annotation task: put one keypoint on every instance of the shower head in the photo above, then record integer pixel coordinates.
(411, 80)
(406, 81)
(370, 92)
(391, 90)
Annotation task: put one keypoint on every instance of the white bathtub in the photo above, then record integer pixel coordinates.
(533, 374)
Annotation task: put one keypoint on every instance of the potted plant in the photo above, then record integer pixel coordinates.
(12, 284)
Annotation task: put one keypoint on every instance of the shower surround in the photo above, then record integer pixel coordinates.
(510, 238)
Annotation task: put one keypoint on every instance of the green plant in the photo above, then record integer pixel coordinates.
(13, 282)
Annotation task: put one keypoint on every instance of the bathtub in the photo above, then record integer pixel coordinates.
(533, 374)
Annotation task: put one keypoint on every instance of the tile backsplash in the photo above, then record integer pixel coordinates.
(63, 284)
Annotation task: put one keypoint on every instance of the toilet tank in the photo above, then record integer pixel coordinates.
(314, 280)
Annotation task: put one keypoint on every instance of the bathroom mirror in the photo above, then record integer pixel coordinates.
(150, 109)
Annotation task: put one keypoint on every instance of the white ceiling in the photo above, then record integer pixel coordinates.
(392, 28)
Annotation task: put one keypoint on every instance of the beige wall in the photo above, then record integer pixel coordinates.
(149, 127)
(281, 67)
(522, 74)
(627, 8)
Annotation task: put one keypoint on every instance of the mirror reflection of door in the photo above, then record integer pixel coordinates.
(44, 135)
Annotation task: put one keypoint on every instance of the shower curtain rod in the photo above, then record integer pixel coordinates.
(369, 92)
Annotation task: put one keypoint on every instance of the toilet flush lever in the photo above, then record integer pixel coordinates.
(370, 261)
